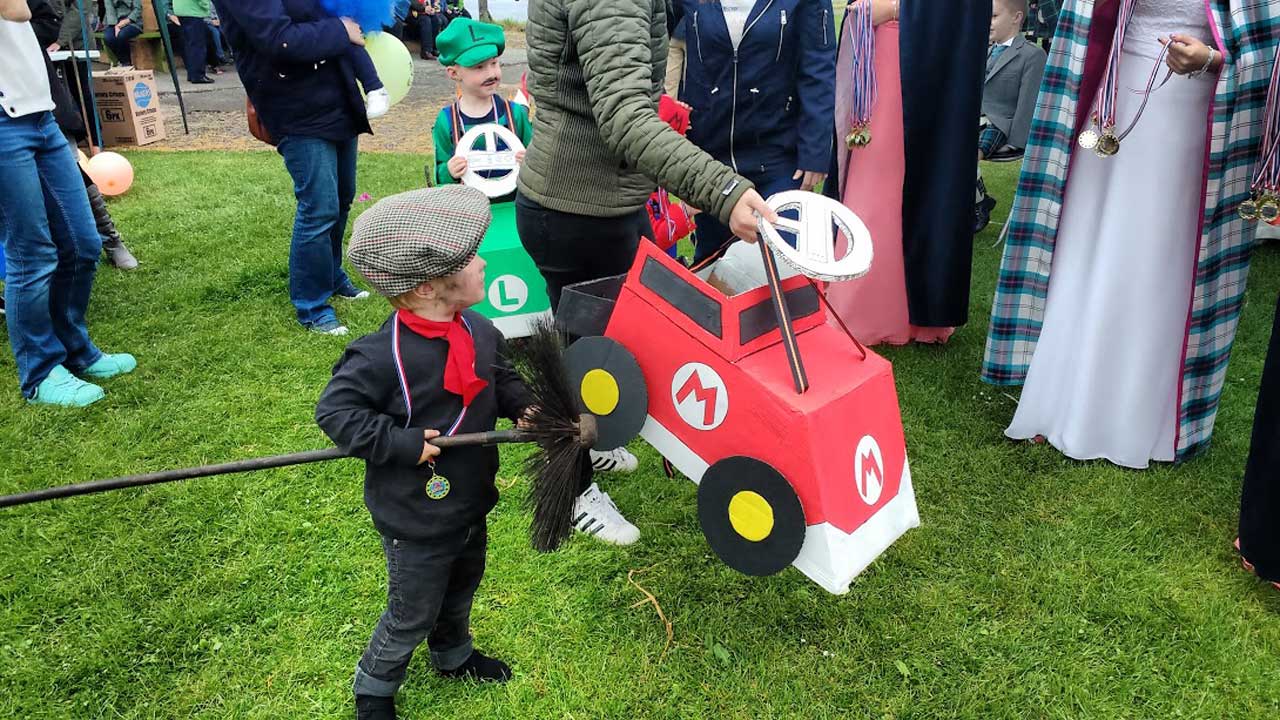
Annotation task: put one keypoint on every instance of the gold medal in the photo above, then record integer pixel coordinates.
(1269, 209)
(1249, 210)
(1108, 145)
(858, 137)
(437, 487)
(1089, 139)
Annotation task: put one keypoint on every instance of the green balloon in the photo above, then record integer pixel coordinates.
(392, 61)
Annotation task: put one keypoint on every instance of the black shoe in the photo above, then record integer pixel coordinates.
(202, 81)
(982, 214)
(480, 667)
(370, 707)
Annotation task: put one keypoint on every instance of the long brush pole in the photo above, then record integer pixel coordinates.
(262, 463)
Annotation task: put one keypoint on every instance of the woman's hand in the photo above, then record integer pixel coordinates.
(353, 31)
(1188, 55)
(809, 179)
(742, 219)
(882, 11)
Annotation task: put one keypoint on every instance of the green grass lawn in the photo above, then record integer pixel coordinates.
(1036, 587)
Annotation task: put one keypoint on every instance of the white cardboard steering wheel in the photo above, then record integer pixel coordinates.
(488, 158)
(821, 221)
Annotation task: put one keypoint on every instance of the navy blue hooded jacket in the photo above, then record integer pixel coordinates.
(293, 60)
(768, 107)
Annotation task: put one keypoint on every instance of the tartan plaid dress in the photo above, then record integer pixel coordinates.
(1247, 32)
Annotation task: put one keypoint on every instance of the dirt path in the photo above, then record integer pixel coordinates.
(216, 118)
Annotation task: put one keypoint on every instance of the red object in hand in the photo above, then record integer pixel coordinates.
(674, 113)
(671, 221)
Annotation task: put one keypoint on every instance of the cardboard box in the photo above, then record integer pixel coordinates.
(128, 107)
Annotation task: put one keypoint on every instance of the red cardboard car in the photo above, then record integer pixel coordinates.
(819, 479)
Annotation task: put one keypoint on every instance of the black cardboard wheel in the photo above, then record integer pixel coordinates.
(750, 515)
(608, 383)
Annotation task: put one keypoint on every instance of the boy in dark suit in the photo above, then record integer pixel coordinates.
(1014, 69)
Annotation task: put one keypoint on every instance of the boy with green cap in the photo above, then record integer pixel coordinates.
(470, 51)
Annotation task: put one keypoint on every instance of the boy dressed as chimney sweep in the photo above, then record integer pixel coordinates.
(433, 368)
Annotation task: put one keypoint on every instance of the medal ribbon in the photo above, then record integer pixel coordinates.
(862, 41)
(1104, 112)
(1267, 176)
(403, 377)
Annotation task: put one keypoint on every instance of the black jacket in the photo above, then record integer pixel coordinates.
(364, 412)
(293, 60)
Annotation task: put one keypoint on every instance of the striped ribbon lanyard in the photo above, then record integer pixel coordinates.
(1264, 205)
(1102, 137)
(862, 43)
(404, 379)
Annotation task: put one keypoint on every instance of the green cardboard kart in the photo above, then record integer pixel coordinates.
(517, 296)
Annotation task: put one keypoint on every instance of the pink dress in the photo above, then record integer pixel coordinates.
(874, 306)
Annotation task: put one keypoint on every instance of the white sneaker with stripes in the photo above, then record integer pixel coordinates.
(595, 514)
(616, 460)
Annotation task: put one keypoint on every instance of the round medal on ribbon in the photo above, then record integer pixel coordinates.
(437, 487)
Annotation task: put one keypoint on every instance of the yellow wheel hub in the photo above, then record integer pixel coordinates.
(751, 515)
(599, 392)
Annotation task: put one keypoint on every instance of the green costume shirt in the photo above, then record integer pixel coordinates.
(443, 133)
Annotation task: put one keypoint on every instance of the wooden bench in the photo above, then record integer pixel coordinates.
(147, 50)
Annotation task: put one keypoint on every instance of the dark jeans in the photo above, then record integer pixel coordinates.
(712, 234)
(118, 41)
(1260, 499)
(194, 46)
(430, 586)
(324, 182)
(51, 248)
(429, 26)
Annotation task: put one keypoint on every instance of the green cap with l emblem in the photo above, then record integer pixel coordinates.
(468, 43)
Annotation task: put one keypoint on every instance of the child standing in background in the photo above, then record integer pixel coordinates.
(470, 51)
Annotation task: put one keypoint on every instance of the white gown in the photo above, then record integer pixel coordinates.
(1104, 380)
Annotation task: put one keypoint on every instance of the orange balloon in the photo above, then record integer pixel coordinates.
(111, 172)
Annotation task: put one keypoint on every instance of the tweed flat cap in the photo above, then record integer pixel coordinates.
(407, 239)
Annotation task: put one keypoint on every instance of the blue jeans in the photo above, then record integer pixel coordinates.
(118, 41)
(430, 587)
(712, 234)
(324, 182)
(51, 246)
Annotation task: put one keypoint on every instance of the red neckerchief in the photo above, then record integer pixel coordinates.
(460, 368)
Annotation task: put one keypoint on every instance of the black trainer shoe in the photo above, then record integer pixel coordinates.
(480, 667)
(982, 214)
(370, 707)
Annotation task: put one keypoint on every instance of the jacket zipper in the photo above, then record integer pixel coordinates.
(824, 26)
(697, 36)
(782, 29)
(733, 113)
